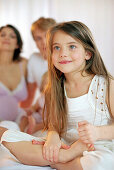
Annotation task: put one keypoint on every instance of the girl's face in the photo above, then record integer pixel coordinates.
(8, 39)
(68, 54)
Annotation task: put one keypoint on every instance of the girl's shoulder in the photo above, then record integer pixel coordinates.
(97, 92)
(98, 82)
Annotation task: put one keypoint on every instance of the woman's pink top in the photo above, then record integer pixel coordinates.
(9, 100)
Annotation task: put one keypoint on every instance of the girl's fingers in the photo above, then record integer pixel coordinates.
(56, 155)
(50, 155)
(47, 153)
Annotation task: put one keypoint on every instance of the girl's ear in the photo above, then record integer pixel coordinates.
(88, 55)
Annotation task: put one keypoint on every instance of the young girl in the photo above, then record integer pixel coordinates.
(79, 106)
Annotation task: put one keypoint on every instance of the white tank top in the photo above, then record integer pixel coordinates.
(91, 107)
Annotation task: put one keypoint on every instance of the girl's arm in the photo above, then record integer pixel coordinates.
(104, 132)
(89, 133)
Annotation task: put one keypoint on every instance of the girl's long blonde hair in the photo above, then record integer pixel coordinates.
(55, 102)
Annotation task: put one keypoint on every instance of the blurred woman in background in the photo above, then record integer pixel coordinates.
(13, 88)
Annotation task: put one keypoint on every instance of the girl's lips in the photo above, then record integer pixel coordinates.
(65, 62)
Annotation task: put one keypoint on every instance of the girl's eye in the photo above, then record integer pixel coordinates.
(56, 48)
(72, 46)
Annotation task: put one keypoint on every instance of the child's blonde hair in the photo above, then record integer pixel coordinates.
(43, 24)
(44, 82)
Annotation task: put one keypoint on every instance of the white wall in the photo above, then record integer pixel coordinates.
(96, 14)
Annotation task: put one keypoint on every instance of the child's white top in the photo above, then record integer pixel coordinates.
(91, 107)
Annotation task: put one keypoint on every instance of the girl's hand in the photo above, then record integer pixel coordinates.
(52, 146)
(88, 133)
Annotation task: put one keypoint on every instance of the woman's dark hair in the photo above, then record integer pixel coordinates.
(17, 51)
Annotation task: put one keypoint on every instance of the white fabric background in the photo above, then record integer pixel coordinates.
(96, 14)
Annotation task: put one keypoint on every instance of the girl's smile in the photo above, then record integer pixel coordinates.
(65, 62)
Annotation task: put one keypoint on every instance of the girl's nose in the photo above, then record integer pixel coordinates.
(63, 54)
